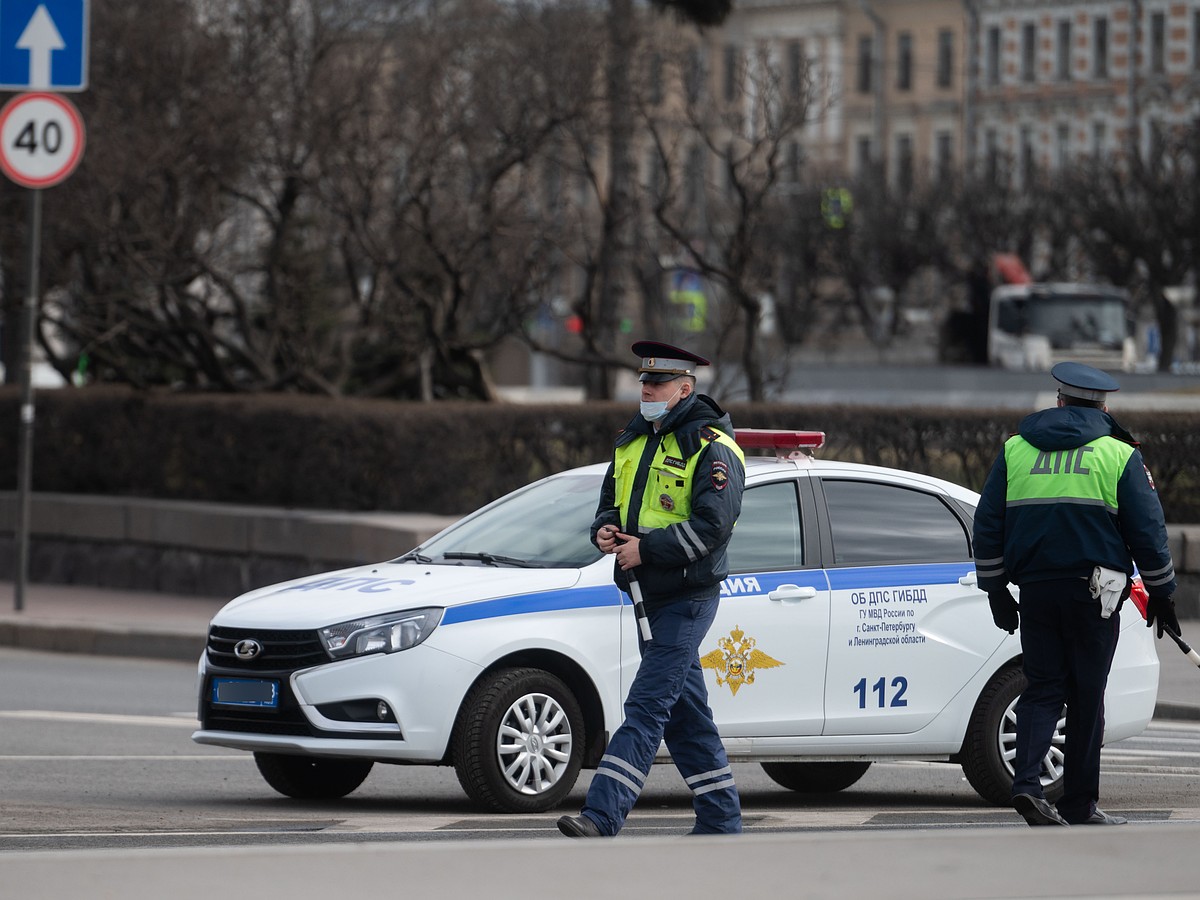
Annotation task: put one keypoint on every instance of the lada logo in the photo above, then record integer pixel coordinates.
(736, 659)
(247, 649)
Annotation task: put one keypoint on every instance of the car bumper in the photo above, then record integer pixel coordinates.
(422, 689)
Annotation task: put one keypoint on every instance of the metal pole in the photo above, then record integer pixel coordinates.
(25, 447)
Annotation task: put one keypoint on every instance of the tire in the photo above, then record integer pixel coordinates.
(990, 744)
(312, 777)
(518, 744)
(816, 777)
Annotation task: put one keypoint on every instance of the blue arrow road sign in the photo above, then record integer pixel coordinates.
(43, 45)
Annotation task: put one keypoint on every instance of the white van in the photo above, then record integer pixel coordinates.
(1034, 326)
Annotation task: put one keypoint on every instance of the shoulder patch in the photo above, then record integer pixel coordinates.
(719, 475)
(1149, 477)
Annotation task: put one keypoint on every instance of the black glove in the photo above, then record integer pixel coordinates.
(1162, 610)
(1004, 610)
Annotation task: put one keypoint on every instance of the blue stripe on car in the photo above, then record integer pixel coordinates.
(548, 601)
(608, 595)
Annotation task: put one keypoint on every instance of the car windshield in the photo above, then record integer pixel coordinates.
(1066, 319)
(547, 524)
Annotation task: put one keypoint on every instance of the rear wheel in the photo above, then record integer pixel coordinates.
(991, 742)
(518, 743)
(312, 777)
(815, 777)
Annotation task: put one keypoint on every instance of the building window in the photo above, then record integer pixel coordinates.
(1062, 146)
(1029, 51)
(795, 63)
(694, 82)
(865, 52)
(1099, 139)
(864, 155)
(656, 78)
(731, 73)
(904, 163)
(1027, 157)
(694, 178)
(1196, 40)
(904, 61)
(795, 160)
(1064, 50)
(945, 154)
(1158, 43)
(991, 151)
(945, 58)
(1100, 47)
(993, 56)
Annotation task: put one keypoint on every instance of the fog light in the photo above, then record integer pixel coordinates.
(382, 711)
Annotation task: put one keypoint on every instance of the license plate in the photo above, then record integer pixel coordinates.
(258, 692)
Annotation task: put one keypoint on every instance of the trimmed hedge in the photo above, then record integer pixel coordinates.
(448, 458)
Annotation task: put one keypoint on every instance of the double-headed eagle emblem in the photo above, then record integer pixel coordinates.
(736, 659)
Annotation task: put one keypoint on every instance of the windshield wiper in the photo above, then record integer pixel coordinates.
(414, 556)
(492, 559)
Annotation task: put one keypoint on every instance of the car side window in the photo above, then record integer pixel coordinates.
(872, 522)
(767, 536)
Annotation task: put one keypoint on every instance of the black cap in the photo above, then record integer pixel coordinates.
(1077, 380)
(663, 362)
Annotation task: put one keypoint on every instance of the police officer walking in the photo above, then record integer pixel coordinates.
(667, 508)
(1066, 511)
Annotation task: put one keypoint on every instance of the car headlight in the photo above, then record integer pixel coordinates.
(388, 633)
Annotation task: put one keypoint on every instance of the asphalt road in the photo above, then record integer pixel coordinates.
(105, 795)
(970, 386)
(95, 752)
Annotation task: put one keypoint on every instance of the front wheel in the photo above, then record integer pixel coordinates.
(312, 777)
(991, 742)
(518, 743)
(815, 777)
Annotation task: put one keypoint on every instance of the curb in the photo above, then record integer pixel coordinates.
(101, 640)
(1178, 711)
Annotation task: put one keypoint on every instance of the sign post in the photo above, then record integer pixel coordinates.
(43, 48)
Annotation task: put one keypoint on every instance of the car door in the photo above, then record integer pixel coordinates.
(908, 628)
(764, 656)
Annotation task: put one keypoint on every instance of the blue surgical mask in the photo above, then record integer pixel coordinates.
(656, 410)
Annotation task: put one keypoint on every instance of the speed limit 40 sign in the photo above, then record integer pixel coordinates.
(41, 139)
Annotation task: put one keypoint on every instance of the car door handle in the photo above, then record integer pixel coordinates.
(792, 592)
(969, 580)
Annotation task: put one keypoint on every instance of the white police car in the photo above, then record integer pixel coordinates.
(850, 630)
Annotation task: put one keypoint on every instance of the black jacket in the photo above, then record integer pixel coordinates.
(687, 560)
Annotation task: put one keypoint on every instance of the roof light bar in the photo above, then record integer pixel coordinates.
(786, 444)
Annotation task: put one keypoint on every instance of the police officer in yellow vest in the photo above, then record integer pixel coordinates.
(667, 508)
(1066, 511)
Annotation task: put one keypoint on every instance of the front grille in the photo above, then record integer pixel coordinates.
(281, 649)
(283, 652)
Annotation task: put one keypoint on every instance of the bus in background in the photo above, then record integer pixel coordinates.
(1033, 326)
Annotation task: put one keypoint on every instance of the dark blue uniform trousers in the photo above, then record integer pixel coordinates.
(1068, 650)
(668, 701)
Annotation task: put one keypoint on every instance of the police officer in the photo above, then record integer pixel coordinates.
(1068, 504)
(667, 507)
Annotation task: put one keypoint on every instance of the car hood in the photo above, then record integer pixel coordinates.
(331, 597)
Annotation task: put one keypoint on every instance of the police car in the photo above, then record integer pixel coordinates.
(850, 630)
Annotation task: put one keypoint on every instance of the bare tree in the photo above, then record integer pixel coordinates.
(439, 185)
(1139, 221)
(722, 227)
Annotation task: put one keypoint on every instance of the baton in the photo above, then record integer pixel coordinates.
(1183, 645)
(639, 608)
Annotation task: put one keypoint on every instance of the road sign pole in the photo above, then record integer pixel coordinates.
(25, 445)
